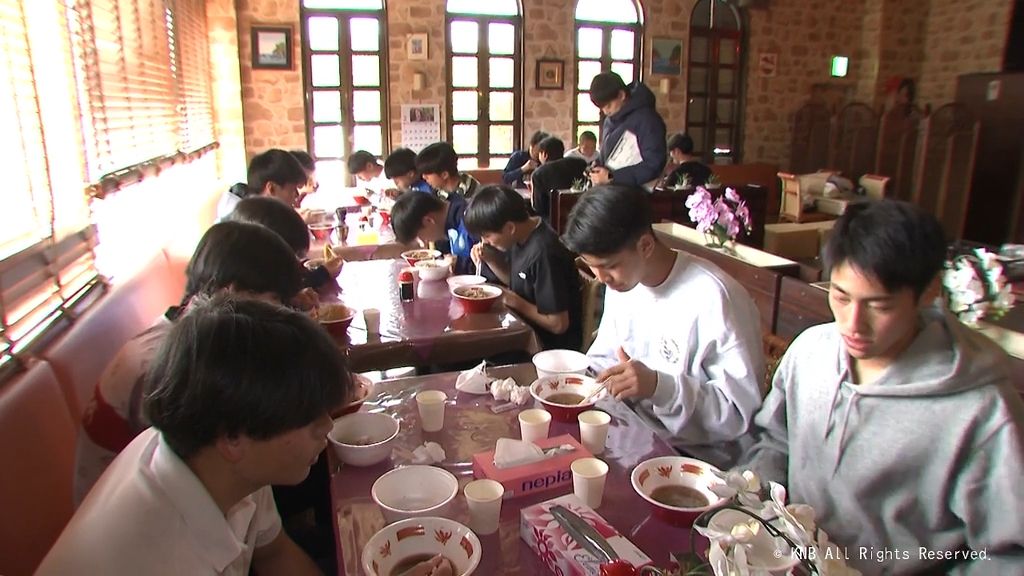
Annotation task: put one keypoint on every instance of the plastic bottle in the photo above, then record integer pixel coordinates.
(405, 286)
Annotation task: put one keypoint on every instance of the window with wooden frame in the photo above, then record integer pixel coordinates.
(485, 92)
(344, 48)
(609, 34)
(714, 82)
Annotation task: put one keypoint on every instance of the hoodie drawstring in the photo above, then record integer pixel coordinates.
(846, 420)
(832, 406)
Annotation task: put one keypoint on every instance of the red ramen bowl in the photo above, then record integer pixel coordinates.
(363, 387)
(677, 488)
(477, 299)
(321, 231)
(414, 256)
(336, 318)
(562, 394)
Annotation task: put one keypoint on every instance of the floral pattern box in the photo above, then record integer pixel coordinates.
(560, 553)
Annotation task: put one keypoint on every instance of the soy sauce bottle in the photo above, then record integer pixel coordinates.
(405, 286)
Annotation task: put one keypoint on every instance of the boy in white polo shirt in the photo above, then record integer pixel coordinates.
(239, 397)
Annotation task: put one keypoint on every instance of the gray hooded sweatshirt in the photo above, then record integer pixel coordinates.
(907, 470)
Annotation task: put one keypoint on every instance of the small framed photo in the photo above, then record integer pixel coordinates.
(667, 56)
(416, 48)
(418, 114)
(550, 74)
(272, 47)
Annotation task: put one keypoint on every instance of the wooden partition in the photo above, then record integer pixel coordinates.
(801, 306)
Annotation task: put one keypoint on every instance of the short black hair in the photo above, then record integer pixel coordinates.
(307, 162)
(245, 257)
(538, 137)
(232, 366)
(408, 212)
(277, 166)
(399, 163)
(553, 147)
(681, 142)
(608, 219)
(277, 216)
(605, 87)
(899, 244)
(492, 207)
(587, 135)
(358, 160)
(437, 158)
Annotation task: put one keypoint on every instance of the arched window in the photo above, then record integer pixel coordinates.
(484, 88)
(608, 37)
(713, 111)
(344, 52)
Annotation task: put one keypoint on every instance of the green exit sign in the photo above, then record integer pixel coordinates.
(840, 66)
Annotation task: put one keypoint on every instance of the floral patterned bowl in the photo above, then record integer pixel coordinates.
(551, 390)
(676, 471)
(400, 546)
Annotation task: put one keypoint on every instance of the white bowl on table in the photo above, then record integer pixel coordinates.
(433, 270)
(560, 362)
(465, 280)
(416, 539)
(414, 491)
(364, 438)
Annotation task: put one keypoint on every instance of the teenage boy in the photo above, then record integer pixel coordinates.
(555, 173)
(439, 166)
(587, 148)
(369, 174)
(400, 168)
(274, 173)
(896, 423)
(680, 150)
(427, 218)
(544, 285)
(239, 397)
(523, 162)
(679, 339)
(633, 133)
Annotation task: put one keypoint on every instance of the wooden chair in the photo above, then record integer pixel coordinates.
(593, 304)
(792, 205)
(774, 348)
(874, 185)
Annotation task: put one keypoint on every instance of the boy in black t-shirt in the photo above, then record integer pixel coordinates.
(540, 272)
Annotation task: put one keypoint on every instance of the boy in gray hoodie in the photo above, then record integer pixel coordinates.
(897, 423)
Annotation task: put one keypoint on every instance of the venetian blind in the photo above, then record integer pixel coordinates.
(190, 47)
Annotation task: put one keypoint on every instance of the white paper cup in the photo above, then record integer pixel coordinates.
(371, 318)
(484, 500)
(534, 424)
(431, 407)
(594, 430)
(588, 476)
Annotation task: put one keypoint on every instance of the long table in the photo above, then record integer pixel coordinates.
(470, 428)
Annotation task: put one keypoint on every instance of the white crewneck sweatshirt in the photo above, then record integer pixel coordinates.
(701, 332)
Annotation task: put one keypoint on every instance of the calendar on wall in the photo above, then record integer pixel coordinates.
(421, 125)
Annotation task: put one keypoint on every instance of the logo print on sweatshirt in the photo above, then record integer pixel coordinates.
(669, 350)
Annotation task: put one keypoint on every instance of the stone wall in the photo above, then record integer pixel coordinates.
(226, 85)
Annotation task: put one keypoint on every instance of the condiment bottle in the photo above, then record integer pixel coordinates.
(405, 287)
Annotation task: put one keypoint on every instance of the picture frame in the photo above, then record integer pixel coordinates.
(416, 47)
(667, 56)
(550, 74)
(272, 47)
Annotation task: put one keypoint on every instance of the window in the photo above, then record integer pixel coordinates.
(713, 80)
(608, 36)
(345, 59)
(484, 80)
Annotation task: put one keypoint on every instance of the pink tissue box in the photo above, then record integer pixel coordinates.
(560, 553)
(536, 477)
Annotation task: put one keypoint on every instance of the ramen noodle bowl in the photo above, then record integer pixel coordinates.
(669, 480)
(477, 298)
(414, 256)
(397, 548)
(336, 318)
(432, 270)
(561, 395)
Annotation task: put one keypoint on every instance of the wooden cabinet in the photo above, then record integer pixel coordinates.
(800, 307)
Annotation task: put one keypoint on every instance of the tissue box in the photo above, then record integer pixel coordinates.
(562, 554)
(536, 477)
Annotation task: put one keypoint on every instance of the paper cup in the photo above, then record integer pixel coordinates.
(594, 430)
(588, 476)
(371, 318)
(534, 424)
(431, 407)
(484, 500)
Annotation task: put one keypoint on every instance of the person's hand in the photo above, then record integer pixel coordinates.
(334, 265)
(476, 254)
(629, 378)
(529, 166)
(306, 299)
(513, 301)
(392, 193)
(436, 566)
(600, 175)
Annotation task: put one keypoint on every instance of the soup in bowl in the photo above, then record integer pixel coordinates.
(397, 548)
(677, 488)
(414, 256)
(335, 317)
(562, 395)
(477, 298)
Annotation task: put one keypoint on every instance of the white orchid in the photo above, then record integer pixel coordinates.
(976, 287)
(745, 486)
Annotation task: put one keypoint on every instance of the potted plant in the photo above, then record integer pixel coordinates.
(713, 182)
(684, 182)
(720, 220)
(580, 185)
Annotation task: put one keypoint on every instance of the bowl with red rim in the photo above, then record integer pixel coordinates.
(335, 317)
(396, 548)
(414, 256)
(562, 394)
(677, 488)
(363, 388)
(477, 298)
(321, 230)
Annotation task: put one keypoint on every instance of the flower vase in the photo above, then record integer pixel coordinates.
(716, 242)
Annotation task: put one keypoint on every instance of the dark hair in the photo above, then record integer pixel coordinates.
(908, 83)
(408, 212)
(245, 257)
(437, 158)
(896, 242)
(553, 147)
(279, 217)
(277, 166)
(587, 135)
(399, 163)
(605, 87)
(538, 137)
(492, 207)
(681, 142)
(305, 160)
(607, 219)
(233, 366)
(358, 160)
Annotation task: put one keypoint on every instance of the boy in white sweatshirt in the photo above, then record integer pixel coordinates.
(679, 340)
(897, 423)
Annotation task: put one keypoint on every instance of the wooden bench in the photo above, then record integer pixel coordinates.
(800, 307)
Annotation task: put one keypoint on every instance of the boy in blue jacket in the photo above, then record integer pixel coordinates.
(632, 136)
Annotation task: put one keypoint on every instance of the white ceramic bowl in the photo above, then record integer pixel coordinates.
(414, 256)
(414, 491)
(555, 362)
(465, 280)
(364, 438)
(544, 388)
(655, 473)
(421, 537)
(432, 270)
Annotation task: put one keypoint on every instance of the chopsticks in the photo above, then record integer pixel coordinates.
(602, 385)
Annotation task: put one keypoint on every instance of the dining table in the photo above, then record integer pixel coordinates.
(471, 427)
(431, 329)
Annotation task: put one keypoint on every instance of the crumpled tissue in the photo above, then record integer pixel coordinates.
(508, 390)
(428, 453)
(474, 381)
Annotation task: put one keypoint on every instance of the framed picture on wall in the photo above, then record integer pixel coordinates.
(272, 47)
(416, 49)
(550, 74)
(667, 56)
